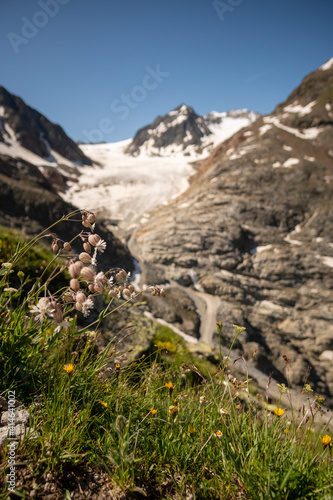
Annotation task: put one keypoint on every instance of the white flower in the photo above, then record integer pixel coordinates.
(99, 277)
(42, 309)
(86, 306)
(218, 434)
(223, 411)
(101, 246)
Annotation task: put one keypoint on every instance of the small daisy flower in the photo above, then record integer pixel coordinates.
(203, 400)
(218, 434)
(223, 411)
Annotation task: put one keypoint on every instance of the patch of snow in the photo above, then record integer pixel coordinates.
(263, 248)
(264, 129)
(291, 241)
(309, 158)
(287, 148)
(277, 164)
(309, 133)
(327, 65)
(328, 106)
(290, 162)
(248, 133)
(14, 149)
(300, 110)
(328, 261)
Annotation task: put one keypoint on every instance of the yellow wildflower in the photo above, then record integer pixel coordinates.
(192, 430)
(152, 411)
(103, 403)
(173, 409)
(68, 368)
(169, 385)
(279, 412)
(326, 439)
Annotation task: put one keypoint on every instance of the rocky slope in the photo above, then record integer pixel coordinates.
(255, 228)
(183, 131)
(24, 130)
(30, 203)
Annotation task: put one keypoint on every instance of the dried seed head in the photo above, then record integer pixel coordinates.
(86, 247)
(113, 293)
(74, 271)
(79, 265)
(85, 257)
(55, 246)
(80, 297)
(57, 315)
(67, 246)
(99, 287)
(85, 223)
(87, 274)
(74, 284)
(91, 218)
(131, 288)
(94, 239)
(126, 292)
(68, 297)
(91, 288)
(78, 306)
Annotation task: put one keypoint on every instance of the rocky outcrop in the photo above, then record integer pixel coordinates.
(256, 228)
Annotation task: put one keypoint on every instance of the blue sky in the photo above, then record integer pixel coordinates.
(102, 69)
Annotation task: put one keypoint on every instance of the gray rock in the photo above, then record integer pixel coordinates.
(256, 225)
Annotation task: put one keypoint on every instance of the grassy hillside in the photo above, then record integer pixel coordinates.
(164, 425)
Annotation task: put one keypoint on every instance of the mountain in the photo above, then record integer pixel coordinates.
(254, 232)
(27, 134)
(36, 160)
(182, 131)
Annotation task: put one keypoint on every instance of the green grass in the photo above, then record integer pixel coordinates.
(154, 423)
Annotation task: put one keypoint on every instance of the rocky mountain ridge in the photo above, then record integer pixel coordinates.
(255, 229)
(183, 131)
(23, 128)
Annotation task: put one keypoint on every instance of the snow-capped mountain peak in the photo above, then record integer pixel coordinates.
(183, 132)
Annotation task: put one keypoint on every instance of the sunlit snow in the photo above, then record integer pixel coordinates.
(123, 187)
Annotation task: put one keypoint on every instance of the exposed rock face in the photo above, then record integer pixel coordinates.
(30, 203)
(183, 131)
(35, 132)
(256, 226)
